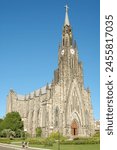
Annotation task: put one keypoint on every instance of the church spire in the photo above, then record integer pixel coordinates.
(66, 16)
(67, 31)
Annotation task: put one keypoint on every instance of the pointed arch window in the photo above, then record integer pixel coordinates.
(56, 117)
(44, 117)
(86, 118)
(72, 63)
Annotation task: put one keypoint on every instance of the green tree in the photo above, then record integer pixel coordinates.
(12, 121)
(1, 120)
(38, 132)
(19, 133)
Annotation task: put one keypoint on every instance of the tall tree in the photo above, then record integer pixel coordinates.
(1, 120)
(12, 121)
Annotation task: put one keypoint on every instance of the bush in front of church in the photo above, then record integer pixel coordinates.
(57, 136)
(38, 132)
(36, 141)
(82, 140)
(54, 137)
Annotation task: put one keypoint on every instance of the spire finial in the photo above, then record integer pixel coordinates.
(66, 6)
(66, 16)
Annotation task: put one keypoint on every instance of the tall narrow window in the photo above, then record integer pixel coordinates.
(56, 117)
(70, 40)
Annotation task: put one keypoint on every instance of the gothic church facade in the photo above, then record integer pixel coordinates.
(64, 105)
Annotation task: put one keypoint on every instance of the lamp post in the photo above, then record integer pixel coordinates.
(25, 130)
(58, 139)
(57, 125)
(58, 132)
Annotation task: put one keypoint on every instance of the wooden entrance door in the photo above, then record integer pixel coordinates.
(74, 128)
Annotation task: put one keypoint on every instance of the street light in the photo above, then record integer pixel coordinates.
(58, 140)
(25, 130)
(58, 133)
(57, 125)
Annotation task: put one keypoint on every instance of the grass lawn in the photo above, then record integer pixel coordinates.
(79, 147)
(71, 147)
(67, 147)
(62, 146)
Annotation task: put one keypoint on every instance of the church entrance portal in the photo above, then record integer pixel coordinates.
(74, 128)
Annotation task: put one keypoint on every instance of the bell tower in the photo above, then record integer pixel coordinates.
(68, 53)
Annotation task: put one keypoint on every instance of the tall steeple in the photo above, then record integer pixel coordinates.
(67, 31)
(66, 16)
(68, 56)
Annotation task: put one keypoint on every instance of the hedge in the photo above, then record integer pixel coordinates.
(83, 141)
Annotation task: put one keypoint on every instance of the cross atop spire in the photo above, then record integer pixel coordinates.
(66, 8)
(66, 16)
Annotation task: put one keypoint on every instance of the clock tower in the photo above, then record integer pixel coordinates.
(68, 53)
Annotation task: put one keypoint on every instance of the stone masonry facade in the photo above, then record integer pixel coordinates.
(64, 105)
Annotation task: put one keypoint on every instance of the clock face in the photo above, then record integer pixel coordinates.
(72, 51)
(62, 52)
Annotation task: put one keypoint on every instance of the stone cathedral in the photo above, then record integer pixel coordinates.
(64, 105)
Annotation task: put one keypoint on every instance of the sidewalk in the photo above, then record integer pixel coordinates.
(16, 147)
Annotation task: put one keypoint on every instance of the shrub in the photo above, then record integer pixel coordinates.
(36, 141)
(54, 135)
(97, 134)
(48, 142)
(7, 133)
(83, 141)
(18, 133)
(57, 136)
(38, 132)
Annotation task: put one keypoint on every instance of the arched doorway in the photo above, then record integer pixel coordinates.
(74, 128)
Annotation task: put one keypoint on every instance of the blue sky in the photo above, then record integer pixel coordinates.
(30, 32)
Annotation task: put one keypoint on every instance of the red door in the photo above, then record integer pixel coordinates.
(74, 128)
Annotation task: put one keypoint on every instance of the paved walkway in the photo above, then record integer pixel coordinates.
(16, 147)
